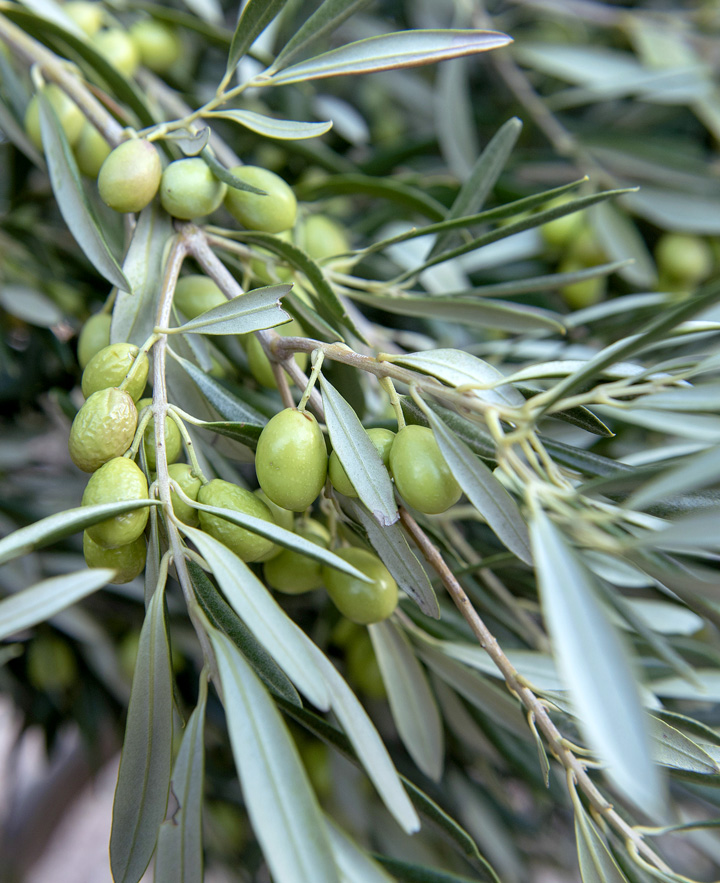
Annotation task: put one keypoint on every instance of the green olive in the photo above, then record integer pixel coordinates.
(129, 178)
(190, 190)
(94, 336)
(190, 484)
(684, 258)
(321, 237)
(421, 474)
(173, 439)
(159, 46)
(292, 572)
(50, 663)
(259, 363)
(119, 49)
(272, 213)
(381, 438)
(267, 266)
(363, 671)
(68, 113)
(128, 561)
(584, 293)
(282, 517)
(562, 231)
(118, 480)
(91, 150)
(103, 428)
(110, 366)
(195, 294)
(87, 16)
(225, 495)
(362, 602)
(291, 459)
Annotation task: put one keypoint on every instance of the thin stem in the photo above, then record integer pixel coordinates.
(389, 387)
(317, 360)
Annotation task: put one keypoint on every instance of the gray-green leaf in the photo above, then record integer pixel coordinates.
(255, 17)
(248, 312)
(271, 127)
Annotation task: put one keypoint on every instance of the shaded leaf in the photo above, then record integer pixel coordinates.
(354, 864)
(222, 174)
(620, 239)
(141, 793)
(271, 127)
(412, 703)
(255, 17)
(247, 433)
(328, 16)
(389, 52)
(179, 857)
(405, 872)
(30, 305)
(359, 456)
(282, 807)
(673, 749)
(706, 688)
(698, 471)
(597, 864)
(225, 403)
(252, 311)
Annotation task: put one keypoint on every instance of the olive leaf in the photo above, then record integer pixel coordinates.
(225, 403)
(354, 864)
(326, 18)
(271, 127)
(597, 864)
(255, 17)
(141, 794)
(252, 311)
(282, 807)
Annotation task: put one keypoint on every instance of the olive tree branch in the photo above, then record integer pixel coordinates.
(519, 688)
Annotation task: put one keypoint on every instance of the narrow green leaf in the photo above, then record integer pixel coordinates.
(707, 688)
(597, 864)
(271, 127)
(359, 456)
(484, 491)
(62, 524)
(458, 368)
(412, 703)
(209, 11)
(179, 857)
(141, 794)
(48, 597)
(71, 199)
(405, 872)
(673, 749)
(223, 617)
(252, 311)
(326, 18)
(284, 641)
(389, 52)
(354, 864)
(619, 238)
(225, 403)
(30, 305)
(191, 143)
(392, 546)
(247, 433)
(283, 809)
(596, 667)
(696, 531)
(255, 17)
(222, 174)
(482, 179)
(551, 282)
(134, 310)
(701, 470)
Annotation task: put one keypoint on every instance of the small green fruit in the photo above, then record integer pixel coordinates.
(291, 459)
(129, 178)
(584, 293)
(562, 231)
(363, 671)
(50, 663)
(111, 365)
(190, 190)
(361, 602)
(684, 258)
(259, 363)
(190, 484)
(294, 573)
(102, 429)
(195, 294)
(91, 150)
(173, 439)
(381, 438)
(118, 480)
(87, 16)
(158, 45)
(272, 213)
(421, 474)
(225, 495)
(321, 237)
(128, 561)
(119, 49)
(68, 113)
(94, 336)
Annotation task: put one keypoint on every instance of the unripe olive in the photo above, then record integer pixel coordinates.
(68, 113)
(225, 495)
(363, 671)
(91, 150)
(292, 572)
(118, 480)
(119, 49)
(158, 45)
(362, 602)
(562, 231)
(278, 272)
(195, 294)
(173, 439)
(381, 438)
(321, 237)
(291, 459)
(259, 363)
(190, 190)
(584, 293)
(102, 429)
(87, 16)
(129, 178)
(190, 484)
(308, 526)
(110, 366)
(94, 336)
(684, 258)
(272, 213)
(50, 663)
(282, 517)
(128, 561)
(421, 474)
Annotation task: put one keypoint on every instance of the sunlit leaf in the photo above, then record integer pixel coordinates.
(248, 312)
(271, 127)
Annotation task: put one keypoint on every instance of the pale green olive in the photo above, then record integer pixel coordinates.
(119, 480)
(359, 601)
(129, 178)
(421, 474)
(225, 495)
(382, 439)
(190, 190)
(271, 213)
